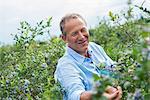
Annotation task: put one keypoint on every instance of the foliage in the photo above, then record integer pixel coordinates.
(28, 66)
(129, 45)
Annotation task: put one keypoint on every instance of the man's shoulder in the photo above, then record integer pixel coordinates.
(65, 59)
(94, 45)
(65, 64)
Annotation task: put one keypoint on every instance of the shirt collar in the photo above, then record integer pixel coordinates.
(76, 55)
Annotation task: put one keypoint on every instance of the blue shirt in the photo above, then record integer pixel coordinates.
(75, 72)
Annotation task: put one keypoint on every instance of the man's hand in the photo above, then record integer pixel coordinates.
(112, 93)
(119, 94)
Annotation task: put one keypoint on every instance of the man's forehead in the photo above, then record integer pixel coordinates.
(72, 21)
(74, 24)
(72, 18)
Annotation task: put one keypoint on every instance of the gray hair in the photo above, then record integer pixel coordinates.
(68, 17)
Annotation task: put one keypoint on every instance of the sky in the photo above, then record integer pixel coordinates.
(12, 12)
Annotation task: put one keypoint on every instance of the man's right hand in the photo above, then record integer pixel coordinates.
(112, 93)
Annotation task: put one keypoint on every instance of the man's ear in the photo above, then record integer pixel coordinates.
(62, 36)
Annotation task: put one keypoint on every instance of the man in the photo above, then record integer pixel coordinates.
(80, 62)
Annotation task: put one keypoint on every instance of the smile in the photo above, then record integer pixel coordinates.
(83, 42)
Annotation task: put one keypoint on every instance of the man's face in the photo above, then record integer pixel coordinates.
(77, 35)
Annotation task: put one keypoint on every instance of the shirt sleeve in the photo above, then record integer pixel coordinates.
(70, 80)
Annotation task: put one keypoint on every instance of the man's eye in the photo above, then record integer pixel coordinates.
(84, 30)
(74, 33)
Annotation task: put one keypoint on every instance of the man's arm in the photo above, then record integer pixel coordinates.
(70, 80)
(86, 95)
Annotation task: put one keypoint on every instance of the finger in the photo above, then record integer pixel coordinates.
(119, 89)
(114, 95)
(110, 89)
(111, 96)
(107, 96)
(119, 94)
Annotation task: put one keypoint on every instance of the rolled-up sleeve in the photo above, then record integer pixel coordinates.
(70, 80)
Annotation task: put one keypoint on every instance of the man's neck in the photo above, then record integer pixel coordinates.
(87, 54)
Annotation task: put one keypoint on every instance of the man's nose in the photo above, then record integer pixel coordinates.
(81, 36)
